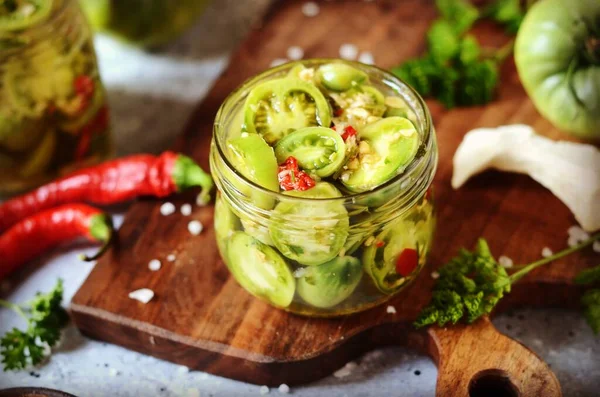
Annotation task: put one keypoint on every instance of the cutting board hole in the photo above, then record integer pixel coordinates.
(492, 383)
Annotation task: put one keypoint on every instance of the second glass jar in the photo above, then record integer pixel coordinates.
(325, 256)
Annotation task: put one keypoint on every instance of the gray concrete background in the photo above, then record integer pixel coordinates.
(151, 96)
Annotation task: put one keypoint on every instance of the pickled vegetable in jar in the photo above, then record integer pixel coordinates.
(324, 170)
(53, 112)
(146, 23)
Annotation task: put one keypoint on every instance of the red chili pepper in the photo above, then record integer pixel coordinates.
(112, 182)
(348, 132)
(291, 178)
(338, 112)
(379, 244)
(97, 125)
(43, 231)
(84, 88)
(407, 262)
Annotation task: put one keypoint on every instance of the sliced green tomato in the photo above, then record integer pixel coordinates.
(275, 108)
(396, 107)
(226, 223)
(75, 124)
(331, 283)
(260, 269)
(296, 70)
(340, 76)
(40, 159)
(22, 14)
(393, 143)
(319, 150)
(310, 232)
(380, 257)
(258, 231)
(251, 156)
(360, 104)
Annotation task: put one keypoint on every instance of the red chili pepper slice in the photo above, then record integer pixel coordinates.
(348, 132)
(380, 244)
(37, 234)
(112, 182)
(97, 125)
(338, 112)
(407, 262)
(291, 178)
(84, 87)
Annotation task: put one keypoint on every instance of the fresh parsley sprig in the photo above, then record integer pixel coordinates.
(472, 284)
(455, 70)
(45, 318)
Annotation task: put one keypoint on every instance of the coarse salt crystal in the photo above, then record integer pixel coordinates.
(366, 58)
(284, 389)
(391, 310)
(183, 369)
(435, 275)
(143, 295)
(171, 258)
(578, 232)
(348, 51)
(505, 261)
(345, 371)
(310, 9)
(154, 265)
(546, 252)
(295, 53)
(186, 210)
(278, 61)
(300, 272)
(195, 228)
(596, 246)
(572, 241)
(264, 390)
(167, 209)
(193, 392)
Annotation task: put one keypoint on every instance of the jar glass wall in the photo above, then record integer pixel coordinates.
(53, 113)
(325, 256)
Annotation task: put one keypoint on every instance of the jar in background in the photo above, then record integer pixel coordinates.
(145, 23)
(371, 245)
(53, 112)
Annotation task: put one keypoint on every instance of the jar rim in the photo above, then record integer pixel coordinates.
(410, 172)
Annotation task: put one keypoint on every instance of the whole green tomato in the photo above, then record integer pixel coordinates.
(557, 53)
(145, 23)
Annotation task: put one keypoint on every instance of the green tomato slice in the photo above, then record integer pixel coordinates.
(22, 14)
(40, 159)
(251, 156)
(319, 150)
(260, 269)
(340, 76)
(308, 232)
(275, 108)
(331, 283)
(75, 124)
(226, 223)
(393, 143)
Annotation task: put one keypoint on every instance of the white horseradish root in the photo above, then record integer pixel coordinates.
(569, 170)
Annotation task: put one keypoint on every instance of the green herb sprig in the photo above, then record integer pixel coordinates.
(471, 285)
(45, 318)
(455, 69)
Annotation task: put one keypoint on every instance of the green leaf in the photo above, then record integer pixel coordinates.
(507, 12)
(19, 350)
(420, 73)
(443, 41)
(591, 304)
(478, 82)
(588, 276)
(469, 50)
(461, 14)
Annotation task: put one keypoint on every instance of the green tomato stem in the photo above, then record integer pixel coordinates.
(525, 269)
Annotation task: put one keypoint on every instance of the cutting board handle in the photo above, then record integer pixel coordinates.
(477, 360)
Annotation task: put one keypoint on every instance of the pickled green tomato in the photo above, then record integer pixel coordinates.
(389, 146)
(331, 283)
(226, 223)
(381, 256)
(310, 232)
(319, 150)
(21, 14)
(278, 107)
(340, 76)
(260, 269)
(254, 158)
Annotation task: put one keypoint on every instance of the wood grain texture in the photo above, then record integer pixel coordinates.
(201, 318)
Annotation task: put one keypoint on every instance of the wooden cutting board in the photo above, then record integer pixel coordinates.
(201, 318)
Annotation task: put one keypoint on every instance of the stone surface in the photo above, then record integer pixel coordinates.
(151, 96)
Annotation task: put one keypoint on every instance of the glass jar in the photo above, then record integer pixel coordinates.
(379, 240)
(146, 23)
(53, 114)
